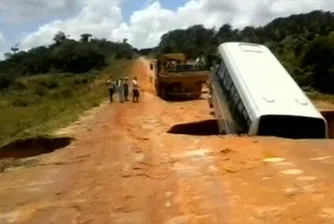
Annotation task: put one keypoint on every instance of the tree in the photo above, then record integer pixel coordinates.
(59, 37)
(15, 48)
(193, 42)
(8, 55)
(319, 55)
(85, 37)
(224, 33)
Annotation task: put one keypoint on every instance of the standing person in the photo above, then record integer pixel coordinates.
(126, 89)
(135, 90)
(111, 88)
(121, 90)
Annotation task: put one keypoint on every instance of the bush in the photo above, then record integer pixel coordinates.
(84, 81)
(77, 81)
(6, 81)
(319, 55)
(20, 102)
(66, 93)
(41, 91)
(49, 84)
(19, 85)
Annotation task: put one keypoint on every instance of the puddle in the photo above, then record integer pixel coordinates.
(179, 220)
(321, 158)
(140, 157)
(306, 178)
(199, 152)
(213, 168)
(192, 153)
(169, 194)
(291, 190)
(291, 171)
(182, 167)
(284, 164)
(33, 147)
(274, 160)
(168, 204)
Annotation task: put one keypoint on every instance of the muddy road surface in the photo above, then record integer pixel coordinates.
(163, 162)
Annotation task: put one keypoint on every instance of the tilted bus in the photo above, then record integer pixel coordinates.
(252, 93)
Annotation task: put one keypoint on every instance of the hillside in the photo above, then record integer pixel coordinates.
(304, 43)
(37, 105)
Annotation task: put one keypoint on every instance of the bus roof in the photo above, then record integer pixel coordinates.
(263, 82)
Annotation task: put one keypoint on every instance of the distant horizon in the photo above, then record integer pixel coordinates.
(34, 23)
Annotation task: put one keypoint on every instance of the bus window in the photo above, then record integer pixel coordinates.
(218, 70)
(240, 106)
(228, 82)
(225, 82)
(222, 64)
(222, 73)
(233, 92)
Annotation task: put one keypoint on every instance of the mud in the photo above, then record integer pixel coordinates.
(124, 167)
(329, 116)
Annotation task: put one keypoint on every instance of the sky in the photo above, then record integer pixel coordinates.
(32, 23)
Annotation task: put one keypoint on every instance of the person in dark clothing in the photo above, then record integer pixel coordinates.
(126, 89)
(111, 88)
(135, 90)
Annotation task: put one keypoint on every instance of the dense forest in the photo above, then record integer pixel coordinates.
(64, 55)
(304, 43)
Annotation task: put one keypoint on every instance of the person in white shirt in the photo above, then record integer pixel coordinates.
(120, 90)
(135, 90)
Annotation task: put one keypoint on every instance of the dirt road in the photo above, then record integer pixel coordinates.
(149, 163)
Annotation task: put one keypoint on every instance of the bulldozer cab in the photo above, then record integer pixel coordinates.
(169, 62)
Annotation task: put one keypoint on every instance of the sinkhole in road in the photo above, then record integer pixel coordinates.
(33, 147)
(206, 127)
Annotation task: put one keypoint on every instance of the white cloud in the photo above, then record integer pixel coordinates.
(26, 10)
(98, 17)
(103, 18)
(2, 38)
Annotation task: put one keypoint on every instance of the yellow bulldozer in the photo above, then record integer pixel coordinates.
(174, 76)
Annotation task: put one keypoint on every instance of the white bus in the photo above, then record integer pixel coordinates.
(252, 93)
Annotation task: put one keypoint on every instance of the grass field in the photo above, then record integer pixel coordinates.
(37, 105)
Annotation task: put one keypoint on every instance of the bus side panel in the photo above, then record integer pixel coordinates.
(225, 121)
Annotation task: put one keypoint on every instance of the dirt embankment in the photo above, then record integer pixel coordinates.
(159, 162)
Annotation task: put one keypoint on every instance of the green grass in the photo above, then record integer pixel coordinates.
(40, 104)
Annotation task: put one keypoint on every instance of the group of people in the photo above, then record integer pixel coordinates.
(121, 87)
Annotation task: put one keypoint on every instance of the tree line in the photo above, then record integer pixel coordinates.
(304, 43)
(63, 55)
